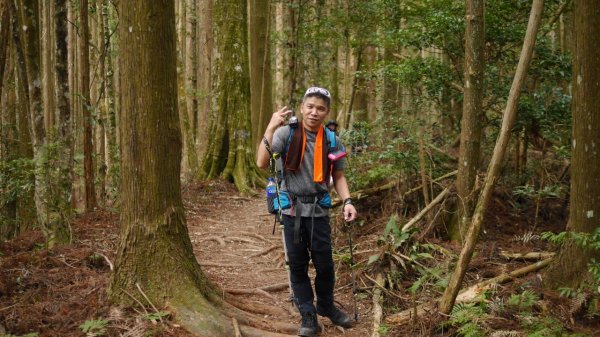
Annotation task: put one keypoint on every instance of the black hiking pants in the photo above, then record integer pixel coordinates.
(315, 244)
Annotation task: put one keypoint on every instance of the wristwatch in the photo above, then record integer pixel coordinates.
(348, 201)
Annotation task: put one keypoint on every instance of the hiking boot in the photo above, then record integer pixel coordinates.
(309, 326)
(336, 316)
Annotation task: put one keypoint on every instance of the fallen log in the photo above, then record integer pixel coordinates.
(470, 294)
(527, 256)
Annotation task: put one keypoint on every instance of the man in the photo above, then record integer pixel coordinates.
(306, 224)
(331, 125)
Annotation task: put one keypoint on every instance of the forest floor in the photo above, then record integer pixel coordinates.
(62, 292)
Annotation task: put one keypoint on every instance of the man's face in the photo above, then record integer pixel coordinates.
(314, 111)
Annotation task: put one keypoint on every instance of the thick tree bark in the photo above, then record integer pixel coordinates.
(260, 66)
(155, 250)
(570, 268)
(282, 77)
(470, 135)
(84, 91)
(466, 253)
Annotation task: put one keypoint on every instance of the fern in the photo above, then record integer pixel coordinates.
(524, 301)
(466, 318)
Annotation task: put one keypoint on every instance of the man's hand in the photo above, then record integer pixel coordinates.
(349, 212)
(279, 118)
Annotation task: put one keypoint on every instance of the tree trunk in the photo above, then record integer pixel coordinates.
(155, 252)
(230, 153)
(470, 135)
(63, 105)
(259, 22)
(9, 150)
(204, 77)
(101, 78)
(570, 268)
(84, 91)
(29, 57)
(282, 54)
(466, 253)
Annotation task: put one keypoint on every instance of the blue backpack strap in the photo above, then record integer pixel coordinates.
(330, 140)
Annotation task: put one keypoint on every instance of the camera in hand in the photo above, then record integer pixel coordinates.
(293, 121)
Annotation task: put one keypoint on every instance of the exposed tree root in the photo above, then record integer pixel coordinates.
(236, 327)
(238, 239)
(260, 291)
(266, 251)
(218, 239)
(224, 265)
(256, 307)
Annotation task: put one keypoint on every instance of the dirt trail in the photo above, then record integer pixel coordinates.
(234, 242)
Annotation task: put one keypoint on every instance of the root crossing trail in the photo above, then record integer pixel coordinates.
(234, 243)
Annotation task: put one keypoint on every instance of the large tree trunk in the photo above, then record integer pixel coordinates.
(260, 66)
(470, 135)
(510, 113)
(84, 91)
(155, 251)
(570, 268)
(230, 153)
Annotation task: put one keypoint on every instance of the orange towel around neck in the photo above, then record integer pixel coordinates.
(318, 158)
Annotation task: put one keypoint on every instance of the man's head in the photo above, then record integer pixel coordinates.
(315, 107)
(332, 125)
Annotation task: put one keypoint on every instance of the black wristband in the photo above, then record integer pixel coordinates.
(348, 201)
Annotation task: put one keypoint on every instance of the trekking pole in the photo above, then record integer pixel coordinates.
(354, 289)
(279, 217)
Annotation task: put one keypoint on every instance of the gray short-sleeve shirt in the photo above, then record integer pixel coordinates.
(301, 182)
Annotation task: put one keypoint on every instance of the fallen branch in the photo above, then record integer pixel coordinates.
(112, 267)
(470, 294)
(377, 310)
(424, 211)
(147, 299)
(445, 176)
(366, 192)
(527, 256)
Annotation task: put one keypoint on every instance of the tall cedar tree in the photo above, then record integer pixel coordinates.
(569, 269)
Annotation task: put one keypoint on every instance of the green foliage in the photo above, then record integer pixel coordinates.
(94, 327)
(548, 191)
(156, 316)
(468, 319)
(15, 179)
(522, 302)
